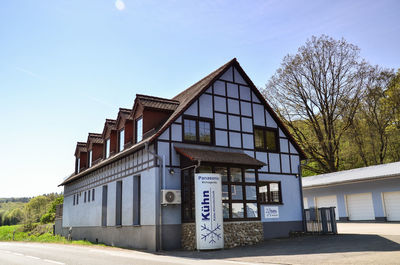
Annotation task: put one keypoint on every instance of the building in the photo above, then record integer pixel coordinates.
(119, 191)
(368, 193)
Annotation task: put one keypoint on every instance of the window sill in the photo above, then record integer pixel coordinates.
(271, 203)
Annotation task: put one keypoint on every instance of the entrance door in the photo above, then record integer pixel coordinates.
(392, 205)
(328, 201)
(360, 207)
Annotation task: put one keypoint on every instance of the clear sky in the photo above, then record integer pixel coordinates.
(66, 66)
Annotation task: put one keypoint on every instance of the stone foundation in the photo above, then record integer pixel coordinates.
(235, 234)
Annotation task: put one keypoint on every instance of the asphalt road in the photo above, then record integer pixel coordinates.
(357, 243)
(13, 253)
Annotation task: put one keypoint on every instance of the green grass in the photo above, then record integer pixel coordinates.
(43, 234)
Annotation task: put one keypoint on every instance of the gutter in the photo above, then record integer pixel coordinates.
(159, 186)
(338, 183)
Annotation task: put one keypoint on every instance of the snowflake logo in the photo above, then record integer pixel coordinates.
(210, 234)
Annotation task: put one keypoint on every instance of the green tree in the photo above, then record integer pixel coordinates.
(316, 92)
(36, 207)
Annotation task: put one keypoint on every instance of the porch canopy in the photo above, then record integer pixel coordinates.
(213, 155)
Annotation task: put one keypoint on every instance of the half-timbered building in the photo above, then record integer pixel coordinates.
(135, 186)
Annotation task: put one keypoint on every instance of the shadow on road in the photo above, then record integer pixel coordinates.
(302, 245)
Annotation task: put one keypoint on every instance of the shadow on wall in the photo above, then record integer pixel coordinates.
(302, 245)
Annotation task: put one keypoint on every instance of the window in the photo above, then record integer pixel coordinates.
(78, 165)
(73, 200)
(92, 194)
(88, 197)
(266, 139)
(270, 192)
(90, 158)
(84, 197)
(121, 139)
(139, 130)
(136, 200)
(239, 193)
(77, 199)
(107, 148)
(241, 200)
(104, 206)
(197, 130)
(118, 206)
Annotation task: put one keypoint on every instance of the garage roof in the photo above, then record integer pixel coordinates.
(353, 175)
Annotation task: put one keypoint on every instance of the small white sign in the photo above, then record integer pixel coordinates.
(209, 216)
(271, 211)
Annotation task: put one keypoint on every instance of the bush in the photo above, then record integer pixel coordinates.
(47, 218)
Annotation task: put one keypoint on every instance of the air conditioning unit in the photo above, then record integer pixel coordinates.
(170, 196)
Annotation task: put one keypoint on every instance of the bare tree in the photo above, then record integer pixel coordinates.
(317, 92)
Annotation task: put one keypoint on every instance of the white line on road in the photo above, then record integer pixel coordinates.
(53, 261)
(32, 257)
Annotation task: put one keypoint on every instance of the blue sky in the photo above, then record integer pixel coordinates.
(65, 66)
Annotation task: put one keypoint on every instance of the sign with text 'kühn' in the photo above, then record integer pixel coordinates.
(209, 218)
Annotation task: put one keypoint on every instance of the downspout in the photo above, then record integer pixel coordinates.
(160, 185)
(301, 194)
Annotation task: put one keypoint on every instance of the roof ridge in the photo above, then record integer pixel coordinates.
(207, 76)
(95, 135)
(157, 98)
(124, 110)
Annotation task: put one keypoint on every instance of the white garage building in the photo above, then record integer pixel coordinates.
(369, 193)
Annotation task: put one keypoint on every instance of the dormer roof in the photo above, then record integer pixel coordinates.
(123, 114)
(157, 103)
(95, 138)
(80, 147)
(109, 124)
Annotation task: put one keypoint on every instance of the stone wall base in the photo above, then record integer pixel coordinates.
(235, 234)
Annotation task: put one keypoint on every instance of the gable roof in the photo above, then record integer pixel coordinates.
(157, 103)
(191, 94)
(80, 147)
(185, 99)
(95, 138)
(109, 123)
(353, 175)
(123, 113)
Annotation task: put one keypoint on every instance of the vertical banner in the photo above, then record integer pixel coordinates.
(209, 216)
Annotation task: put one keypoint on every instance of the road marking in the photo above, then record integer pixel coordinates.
(31, 257)
(53, 261)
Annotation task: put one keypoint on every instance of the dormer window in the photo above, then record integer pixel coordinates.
(107, 148)
(139, 129)
(121, 139)
(90, 158)
(78, 165)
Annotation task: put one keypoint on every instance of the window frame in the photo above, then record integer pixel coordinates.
(107, 148)
(90, 158)
(191, 200)
(269, 202)
(136, 129)
(78, 165)
(119, 140)
(198, 120)
(265, 130)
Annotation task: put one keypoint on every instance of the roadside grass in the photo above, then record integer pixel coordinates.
(41, 233)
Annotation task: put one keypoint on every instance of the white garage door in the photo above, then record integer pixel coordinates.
(328, 201)
(392, 205)
(360, 207)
